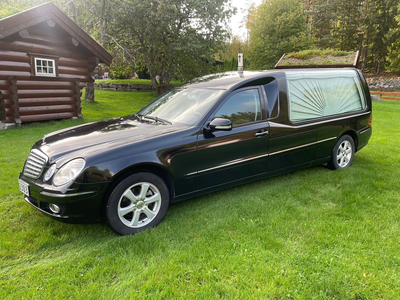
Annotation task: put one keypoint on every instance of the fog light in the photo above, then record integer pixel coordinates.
(54, 208)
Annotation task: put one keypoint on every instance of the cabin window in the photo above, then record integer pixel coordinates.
(242, 107)
(318, 94)
(45, 67)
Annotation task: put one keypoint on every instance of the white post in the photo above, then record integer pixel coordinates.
(240, 62)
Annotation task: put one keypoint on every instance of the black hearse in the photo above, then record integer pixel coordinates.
(218, 131)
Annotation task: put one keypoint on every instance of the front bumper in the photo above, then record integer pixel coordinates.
(81, 204)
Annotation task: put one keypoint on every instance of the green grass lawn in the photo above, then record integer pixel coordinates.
(310, 234)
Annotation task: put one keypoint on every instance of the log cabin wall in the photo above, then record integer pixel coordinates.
(28, 97)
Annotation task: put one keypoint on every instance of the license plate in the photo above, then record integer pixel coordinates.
(24, 187)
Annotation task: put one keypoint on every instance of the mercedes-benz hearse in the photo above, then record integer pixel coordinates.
(213, 133)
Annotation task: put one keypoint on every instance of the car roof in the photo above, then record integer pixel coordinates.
(228, 80)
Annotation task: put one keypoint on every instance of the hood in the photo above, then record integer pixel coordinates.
(92, 137)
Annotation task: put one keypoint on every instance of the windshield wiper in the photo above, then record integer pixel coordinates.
(137, 116)
(157, 119)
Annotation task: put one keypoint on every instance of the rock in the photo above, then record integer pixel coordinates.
(375, 98)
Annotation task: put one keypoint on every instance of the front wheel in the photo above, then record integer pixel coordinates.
(138, 202)
(343, 153)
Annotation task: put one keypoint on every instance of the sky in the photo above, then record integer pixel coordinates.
(236, 20)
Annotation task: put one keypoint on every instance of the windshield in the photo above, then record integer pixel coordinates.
(186, 105)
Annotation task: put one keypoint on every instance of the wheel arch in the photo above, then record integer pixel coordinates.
(150, 168)
(353, 136)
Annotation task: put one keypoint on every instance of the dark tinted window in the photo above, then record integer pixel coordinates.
(242, 107)
(272, 91)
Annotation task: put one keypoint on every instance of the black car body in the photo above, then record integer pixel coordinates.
(237, 127)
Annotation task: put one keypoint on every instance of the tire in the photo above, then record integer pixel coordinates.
(138, 202)
(343, 153)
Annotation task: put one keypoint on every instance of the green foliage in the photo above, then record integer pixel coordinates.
(394, 58)
(120, 70)
(120, 67)
(394, 46)
(86, 14)
(309, 234)
(306, 54)
(142, 71)
(167, 39)
(233, 47)
(279, 27)
(367, 26)
(6, 10)
(339, 53)
(232, 65)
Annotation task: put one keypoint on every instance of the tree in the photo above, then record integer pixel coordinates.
(172, 38)
(393, 38)
(386, 20)
(11, 7)
(234, 46)
(277, 27)
(365, 25)
(93, 16)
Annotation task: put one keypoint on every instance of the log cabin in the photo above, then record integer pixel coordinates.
(45, 61)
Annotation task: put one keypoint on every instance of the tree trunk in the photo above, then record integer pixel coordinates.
(378, 66)
(102, 23)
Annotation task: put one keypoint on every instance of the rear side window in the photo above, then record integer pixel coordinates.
(319, 94)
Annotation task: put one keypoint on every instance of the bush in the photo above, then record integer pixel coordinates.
(232, 65)
(120, 68)
(142, 71)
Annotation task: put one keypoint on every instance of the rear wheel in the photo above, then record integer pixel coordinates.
(138, 202)
(343, 153)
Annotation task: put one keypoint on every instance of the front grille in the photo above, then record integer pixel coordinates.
(34, 164)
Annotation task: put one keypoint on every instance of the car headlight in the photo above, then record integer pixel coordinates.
(69, 171)
(50, 172)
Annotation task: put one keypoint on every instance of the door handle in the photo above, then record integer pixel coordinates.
(262, 133)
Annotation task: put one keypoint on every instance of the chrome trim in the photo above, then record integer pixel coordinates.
(302, 146)
(294, 148)
(65, 195)
(366, 130)
(238, 161)
(262, 133)
(324, 121)
(328, 139)
(43, 211)
(230, 163)
(191, 174)
(35, 164)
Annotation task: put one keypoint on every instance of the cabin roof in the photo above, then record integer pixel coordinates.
(50, 11)
(325, 59)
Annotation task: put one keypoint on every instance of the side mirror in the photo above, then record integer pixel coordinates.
(220, 124)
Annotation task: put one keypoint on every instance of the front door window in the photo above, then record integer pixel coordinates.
(243, 107)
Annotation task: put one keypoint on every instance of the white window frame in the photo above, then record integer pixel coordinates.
(41, 65)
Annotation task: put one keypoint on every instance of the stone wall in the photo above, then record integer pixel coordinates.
(123, 87)
(129, 87)
(386, 83)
